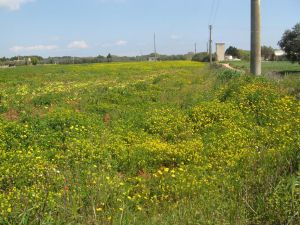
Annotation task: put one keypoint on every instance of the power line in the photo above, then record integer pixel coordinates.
(209, 44)
(216, 12)
(211, 11)
(212, 19)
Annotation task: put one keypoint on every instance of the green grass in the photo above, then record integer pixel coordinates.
(282, 67)
(286, 74)
(147, 143)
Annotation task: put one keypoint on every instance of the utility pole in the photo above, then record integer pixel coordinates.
(155, 53)
(195, 48)
(210, 44)
(255, 37)
(207, 48)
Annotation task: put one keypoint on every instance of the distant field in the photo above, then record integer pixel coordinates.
(148, 143)
(285, 73)
(281, 67)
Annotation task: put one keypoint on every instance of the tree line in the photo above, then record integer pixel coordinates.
(34, 60)
(289, 43)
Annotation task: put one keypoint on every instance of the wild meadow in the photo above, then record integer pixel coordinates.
(147, 143)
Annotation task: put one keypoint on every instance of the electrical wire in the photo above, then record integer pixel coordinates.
(213, 12)
(216, 12)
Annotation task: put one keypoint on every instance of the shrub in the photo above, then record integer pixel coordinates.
(34, 61)
(226, 75)
(202, 57)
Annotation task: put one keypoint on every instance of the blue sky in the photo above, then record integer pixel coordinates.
(126, 27)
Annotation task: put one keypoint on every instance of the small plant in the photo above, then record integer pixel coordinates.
(227, 75)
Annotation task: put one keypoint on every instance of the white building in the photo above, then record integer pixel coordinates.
(152, 59)
(279, 53)
(220, 51)
(228, 57)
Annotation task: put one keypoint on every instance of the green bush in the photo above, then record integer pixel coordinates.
(202, 57)
(226, 75)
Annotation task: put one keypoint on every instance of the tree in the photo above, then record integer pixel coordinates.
(100, 58)
(245, 55)
(109, 58)
(267, 52)
(234, 52)
(34, 61)
(202, 57)
(3, 59)
(51, 61)
(290, 43)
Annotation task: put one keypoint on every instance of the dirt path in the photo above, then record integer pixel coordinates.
(227, 66)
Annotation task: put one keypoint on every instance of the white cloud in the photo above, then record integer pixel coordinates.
(54, 38)
(78, 45)
(112, 44)
(13, 4)
(121, 43)
(33, 48)
(175, 37)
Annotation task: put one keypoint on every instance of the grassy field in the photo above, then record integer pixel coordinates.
(283, 68)
(286, 74)
(147, 143)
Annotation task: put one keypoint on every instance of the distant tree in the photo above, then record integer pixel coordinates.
(171, 57)
(27, 61)
(100, 58)
(34, 61)
(3, 59)
(267, 52)
(153, 54)
(290, 43)
(14, 58)
(109, 58)
(51, 61)
(202, 57)
(245, 55)
(234, 52)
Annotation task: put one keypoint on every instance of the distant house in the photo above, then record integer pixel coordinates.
(231, 58)
(279, 54)
(152, 59)
(228, 57)
(18, 62)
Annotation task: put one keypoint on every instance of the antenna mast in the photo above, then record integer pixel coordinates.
(155, 52)
(210, 44)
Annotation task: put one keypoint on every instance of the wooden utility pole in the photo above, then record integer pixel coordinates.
(255, 38)
(207, 48)
(155, 52)
(195, 48)
(210, 44)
